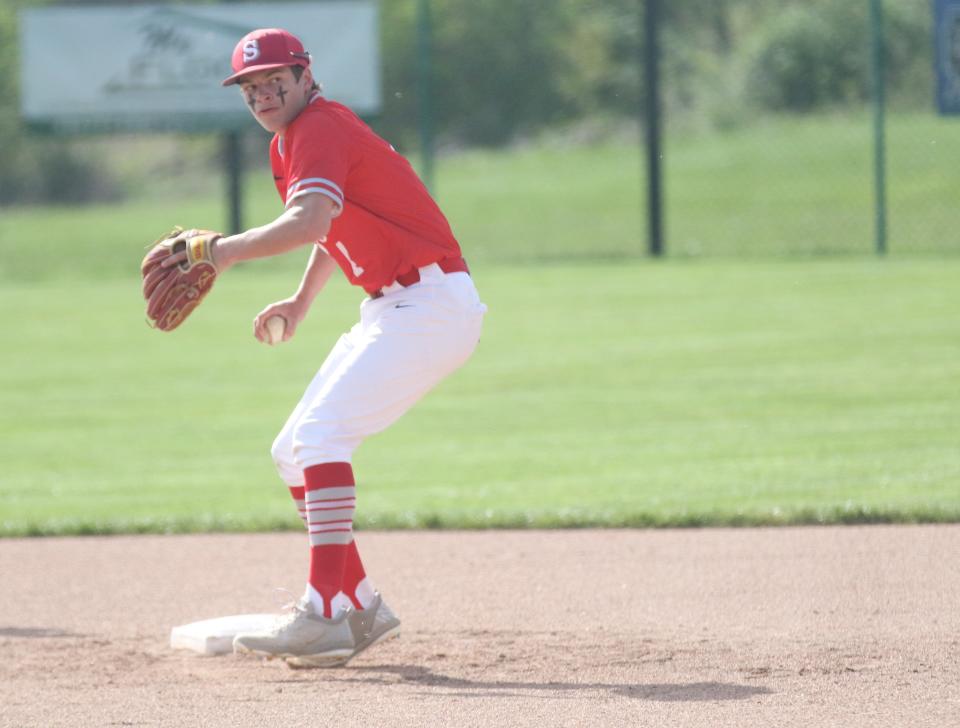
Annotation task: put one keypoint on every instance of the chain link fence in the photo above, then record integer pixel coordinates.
(772, 143)
(535, 112)
(803, 164)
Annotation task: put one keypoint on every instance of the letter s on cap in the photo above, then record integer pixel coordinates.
(251, 51)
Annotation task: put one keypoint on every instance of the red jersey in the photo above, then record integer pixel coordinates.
(388, 223)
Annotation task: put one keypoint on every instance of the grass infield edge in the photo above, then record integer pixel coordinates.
(847, 514)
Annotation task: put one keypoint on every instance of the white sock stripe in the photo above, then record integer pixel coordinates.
(331, 504)
(301, 509)
(332, 531)
(327, 501)
(314, 526)
(327, 538)
(330, 515)
(342, 505)
(326, 494)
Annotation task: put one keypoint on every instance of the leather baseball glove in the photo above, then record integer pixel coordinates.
(172, 291)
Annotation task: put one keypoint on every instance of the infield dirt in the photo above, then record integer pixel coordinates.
(855, 626)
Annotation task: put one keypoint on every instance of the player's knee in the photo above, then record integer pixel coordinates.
(317, 440)
(282, 448)
(283, 458)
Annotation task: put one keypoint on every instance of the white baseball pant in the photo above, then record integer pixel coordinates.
(405, 343)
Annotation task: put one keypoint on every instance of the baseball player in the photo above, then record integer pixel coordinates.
(359, 204)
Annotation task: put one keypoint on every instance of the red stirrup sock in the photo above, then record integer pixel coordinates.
(296, 492)
(356, 586)
(330, 498)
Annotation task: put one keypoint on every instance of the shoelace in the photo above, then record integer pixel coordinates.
(289, 599)
(290, 607)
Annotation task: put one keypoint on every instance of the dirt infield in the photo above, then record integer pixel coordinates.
(854, 626)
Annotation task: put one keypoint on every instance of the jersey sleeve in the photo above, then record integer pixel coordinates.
(317, 157)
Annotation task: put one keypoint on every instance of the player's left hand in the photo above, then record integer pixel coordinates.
(178, 272)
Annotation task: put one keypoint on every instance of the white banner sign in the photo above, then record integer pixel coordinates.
(160, 66)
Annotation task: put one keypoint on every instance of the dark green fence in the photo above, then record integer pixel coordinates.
(771, 135)
(788, 128)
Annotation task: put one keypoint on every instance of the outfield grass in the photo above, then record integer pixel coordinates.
(619, 393)
(744, 380)
(805, 186)
(783, 187)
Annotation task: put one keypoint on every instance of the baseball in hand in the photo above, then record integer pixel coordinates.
(275, 326)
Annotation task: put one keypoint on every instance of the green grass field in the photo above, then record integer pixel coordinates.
(680, 393)
(756, 383)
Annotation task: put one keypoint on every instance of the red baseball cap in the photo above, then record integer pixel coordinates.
(266, 48)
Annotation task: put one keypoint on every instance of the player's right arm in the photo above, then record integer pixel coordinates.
(294, 309)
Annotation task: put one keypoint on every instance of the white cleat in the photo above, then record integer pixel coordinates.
(377, 623)
(304, 639)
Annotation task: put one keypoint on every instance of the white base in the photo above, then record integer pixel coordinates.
(215, 636)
